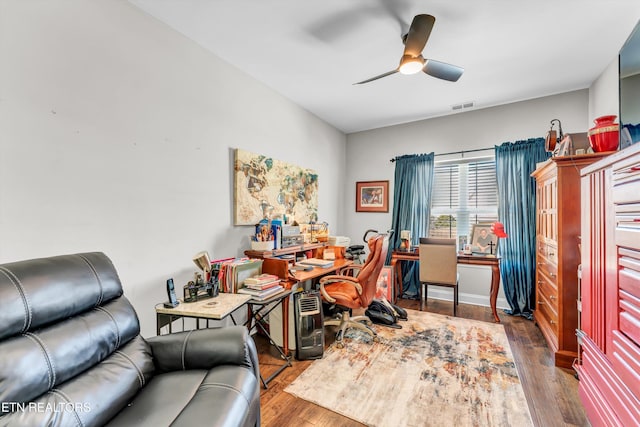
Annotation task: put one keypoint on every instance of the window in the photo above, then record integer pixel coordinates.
(465, 192)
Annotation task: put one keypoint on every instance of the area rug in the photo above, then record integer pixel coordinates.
(435, 371)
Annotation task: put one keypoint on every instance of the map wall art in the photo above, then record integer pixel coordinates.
(264, 186)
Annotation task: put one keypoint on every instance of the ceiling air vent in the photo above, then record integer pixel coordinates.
(462, 106)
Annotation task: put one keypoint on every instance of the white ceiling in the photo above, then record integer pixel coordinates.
(313, 51)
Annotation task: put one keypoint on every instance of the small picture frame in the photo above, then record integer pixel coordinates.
(385, 283)
(483, 241)
(462, 242)
(372, 196)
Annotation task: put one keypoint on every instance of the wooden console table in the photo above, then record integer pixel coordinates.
(493, 262)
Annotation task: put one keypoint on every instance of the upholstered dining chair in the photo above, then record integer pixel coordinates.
(438, 267)
(356, 291)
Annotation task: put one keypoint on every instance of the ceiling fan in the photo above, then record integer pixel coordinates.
(412, 60)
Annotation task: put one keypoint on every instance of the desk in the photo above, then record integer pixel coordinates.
(211, 308)
(301, 275)
(290, 279)
(281, 269)
(256, 319)
(493, 262)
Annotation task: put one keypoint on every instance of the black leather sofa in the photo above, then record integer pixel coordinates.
(71, 354)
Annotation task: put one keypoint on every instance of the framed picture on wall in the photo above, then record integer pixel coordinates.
(372, 196)
(385, 283)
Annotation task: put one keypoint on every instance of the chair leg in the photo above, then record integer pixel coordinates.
(455, 300)
(346, 321)
(421, 292)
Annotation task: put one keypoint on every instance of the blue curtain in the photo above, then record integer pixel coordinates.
(413, 182)
(516, 210)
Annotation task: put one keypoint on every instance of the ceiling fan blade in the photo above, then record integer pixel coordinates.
(418, 34)
(388, 73)
(442, 70)
(398, 10)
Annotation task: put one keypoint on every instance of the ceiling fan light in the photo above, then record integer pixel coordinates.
(411, 65)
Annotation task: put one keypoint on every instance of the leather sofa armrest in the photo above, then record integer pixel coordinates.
(204, 349)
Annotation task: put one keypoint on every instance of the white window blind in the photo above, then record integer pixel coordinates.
(465, 192)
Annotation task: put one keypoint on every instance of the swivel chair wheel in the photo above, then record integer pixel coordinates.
(376, 338)
(339, 344)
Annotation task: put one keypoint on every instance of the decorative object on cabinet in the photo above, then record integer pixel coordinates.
(552, 138)
(284, 188)
(604, 135)
(557, 230)
(372, 196)
(576, 144)
(610, 289)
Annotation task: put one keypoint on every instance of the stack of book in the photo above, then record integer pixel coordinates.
(262, 287)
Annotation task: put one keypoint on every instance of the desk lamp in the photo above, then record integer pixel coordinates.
(405, 239)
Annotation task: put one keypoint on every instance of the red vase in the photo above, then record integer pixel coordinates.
(605, 134)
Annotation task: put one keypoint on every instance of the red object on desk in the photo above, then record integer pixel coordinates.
(493, 262)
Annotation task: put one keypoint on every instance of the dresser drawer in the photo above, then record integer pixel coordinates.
(629, 293)
(546, 315)
(626, 181)
(547, 304)
(626, 362)
(547, 292)
(547, 268)
(548, 252)
(628, 224)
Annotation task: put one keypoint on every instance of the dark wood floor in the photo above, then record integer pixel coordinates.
(552, 393)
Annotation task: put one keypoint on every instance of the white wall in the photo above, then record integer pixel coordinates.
(117, 135)
(369, 153)
(111, 125)
(604, 94)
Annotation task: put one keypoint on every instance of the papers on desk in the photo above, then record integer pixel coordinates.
(317, 262)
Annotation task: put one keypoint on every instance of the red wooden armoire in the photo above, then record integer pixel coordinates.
(610, 320)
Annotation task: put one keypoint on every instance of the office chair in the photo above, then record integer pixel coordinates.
(355, 291)
(438, 267)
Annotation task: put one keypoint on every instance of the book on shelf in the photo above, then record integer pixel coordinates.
(233, 272)
(262, 294)
(266, 297)
(317, 262)
(261, 279)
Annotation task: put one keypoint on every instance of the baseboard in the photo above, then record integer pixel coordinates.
(473, 299)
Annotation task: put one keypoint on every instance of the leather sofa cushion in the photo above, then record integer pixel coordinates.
(224, 395)
(43, 359)
(43, 291)
(95, 396)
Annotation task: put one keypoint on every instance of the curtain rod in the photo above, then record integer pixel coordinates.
(458, 152)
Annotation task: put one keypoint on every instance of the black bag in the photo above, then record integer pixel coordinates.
(383, 313)
(401, 313)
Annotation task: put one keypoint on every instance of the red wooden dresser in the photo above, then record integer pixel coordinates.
(610, 323)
